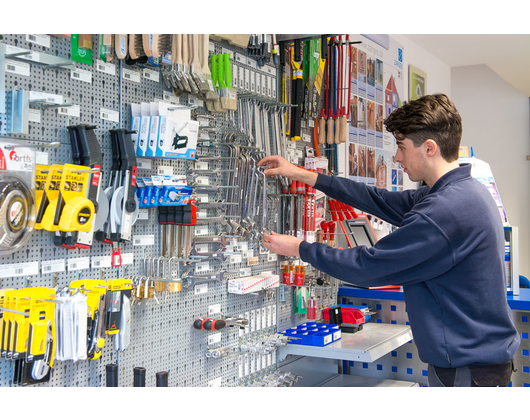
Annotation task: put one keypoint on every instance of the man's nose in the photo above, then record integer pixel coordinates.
(398, 156)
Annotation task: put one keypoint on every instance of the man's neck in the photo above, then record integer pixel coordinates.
(440, 170)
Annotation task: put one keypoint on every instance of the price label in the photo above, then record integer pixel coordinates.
(82, 263)
(109, 115)
(165, 170)
(144, 240)
(235, 259)
(39, 39)
(19, 269)
(104, 261)
(34, 115)
(143, 164)
(272, 257)
(202, 198)
(201, 288)
(215, 383)
(151, 75)
(214, 338)
(71, 111)
(106, 68)
(130, 75)
(202, 267)
(82, 75)
(202, 230)
(214, 309)
(127, 259)
(17, 67)
(54, 266)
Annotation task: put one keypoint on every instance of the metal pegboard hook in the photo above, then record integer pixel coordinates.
(51, 145)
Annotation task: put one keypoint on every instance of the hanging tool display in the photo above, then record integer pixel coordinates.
(241, 202)
(27, 333)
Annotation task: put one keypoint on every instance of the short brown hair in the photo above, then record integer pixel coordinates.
(429, 117)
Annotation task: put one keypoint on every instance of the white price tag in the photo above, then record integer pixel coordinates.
(71, 111)
(130, 75)
(109, 114)
(202, 267)
(201, 288)
(143, 163)
(53, 266)
(202, 166)
(34, 115)
(106, 68)
(19, 269)
(82, 263)
(169, 97)
(214, 309)
(82, 75)
(215, 383)
(143, 240)
(235, 259)
(41, 158)
(165, 170)
(272, 257)
(202, 198)
(17, 67)
(104, 261)
(143, 214)
(201, 230)
(214, 338)
(39, 39)
(127, 259)
(151, 75)
(247, 254)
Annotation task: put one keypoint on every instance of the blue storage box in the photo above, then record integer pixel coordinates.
(313, 334)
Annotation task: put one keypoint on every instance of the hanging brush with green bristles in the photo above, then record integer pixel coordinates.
(230, 94)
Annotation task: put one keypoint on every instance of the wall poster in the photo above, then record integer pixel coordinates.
(377, 88)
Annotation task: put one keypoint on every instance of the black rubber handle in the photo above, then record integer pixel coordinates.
(112, 375)
(139, 377)
(128, 162)
(162, 379)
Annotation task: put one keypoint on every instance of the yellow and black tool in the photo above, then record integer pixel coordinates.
(71, 210)
(48, 191)
(28, 333)
(118, 290)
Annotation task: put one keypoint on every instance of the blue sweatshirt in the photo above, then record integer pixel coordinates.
(448, 254)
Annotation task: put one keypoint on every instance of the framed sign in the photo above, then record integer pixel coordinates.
(417, 83)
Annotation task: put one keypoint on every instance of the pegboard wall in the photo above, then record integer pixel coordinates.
(162, 336)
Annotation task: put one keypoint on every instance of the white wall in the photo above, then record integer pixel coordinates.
(438, 75)
(496, 120)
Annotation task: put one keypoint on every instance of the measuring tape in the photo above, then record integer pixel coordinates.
(17, 213)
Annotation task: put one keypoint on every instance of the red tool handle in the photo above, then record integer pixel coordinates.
(345, 211)
(333, 210)
(352, 212)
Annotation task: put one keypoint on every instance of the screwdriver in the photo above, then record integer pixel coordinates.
(209, 324)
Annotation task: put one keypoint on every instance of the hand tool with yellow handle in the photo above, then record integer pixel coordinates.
(41, 325)
(297, 92)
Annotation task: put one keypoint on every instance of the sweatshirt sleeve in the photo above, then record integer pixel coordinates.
(390, 206)
(416, 252)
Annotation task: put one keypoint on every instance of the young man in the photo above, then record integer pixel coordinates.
(448, 253)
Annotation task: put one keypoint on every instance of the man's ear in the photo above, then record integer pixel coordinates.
(431, 147)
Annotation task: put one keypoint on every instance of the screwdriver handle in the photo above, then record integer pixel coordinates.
(139, 377)
(112, 375)
(162, 379)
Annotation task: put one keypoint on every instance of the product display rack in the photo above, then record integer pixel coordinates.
(162, 336)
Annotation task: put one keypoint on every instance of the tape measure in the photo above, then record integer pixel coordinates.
(17, 213)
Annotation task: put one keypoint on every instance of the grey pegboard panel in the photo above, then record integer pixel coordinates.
(162, 337)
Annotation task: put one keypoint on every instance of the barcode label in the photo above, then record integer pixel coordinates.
(82, 75)
(131, 75)
(72, 111)
(82, 263)
(102, 262)
(106, 68)
(17, 67)
(144, 240)
(39, 39)
(19, 269)
(151, 75)
(53, 266)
